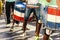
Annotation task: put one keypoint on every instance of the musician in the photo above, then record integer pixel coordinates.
(10, 10)
(33, 5)
(51, 21)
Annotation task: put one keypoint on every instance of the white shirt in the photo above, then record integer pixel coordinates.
(32, 2)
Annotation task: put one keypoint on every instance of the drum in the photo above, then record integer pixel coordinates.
(20, 11)
(53, 17)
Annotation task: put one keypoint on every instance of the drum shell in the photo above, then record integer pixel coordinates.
(19, 16)
(53, 18)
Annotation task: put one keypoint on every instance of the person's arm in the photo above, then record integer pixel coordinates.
(48, 0)
(58, 3)
(32, 6)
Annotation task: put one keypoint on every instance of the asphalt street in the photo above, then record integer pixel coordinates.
(6, 35)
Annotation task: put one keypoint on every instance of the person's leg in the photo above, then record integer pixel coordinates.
(47, 34)
(8, 12)
(34, 15)
(12, 4)
(12, 12)
(26, 16)
(12, 7)
(17, 22)
(38, 22)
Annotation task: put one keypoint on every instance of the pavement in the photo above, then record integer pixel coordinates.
(6, 35)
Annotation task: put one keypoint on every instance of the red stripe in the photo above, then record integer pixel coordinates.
(53, 11)
(20, 18)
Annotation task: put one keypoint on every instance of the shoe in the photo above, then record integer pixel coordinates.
(8, 25)
(26, 29)
(36, 38)
(11, 30)
(23, 34)
(16, 25)
(50, 38)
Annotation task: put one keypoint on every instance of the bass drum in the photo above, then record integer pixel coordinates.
(20, 11)
(53, 18)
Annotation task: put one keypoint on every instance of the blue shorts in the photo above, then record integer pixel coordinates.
(30, 10)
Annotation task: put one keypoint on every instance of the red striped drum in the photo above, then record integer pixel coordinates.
(53, 17)
(20, 11)
(20, 16)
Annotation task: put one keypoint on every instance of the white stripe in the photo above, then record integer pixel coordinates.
(19, 5)
(53, 18)
(19, 14)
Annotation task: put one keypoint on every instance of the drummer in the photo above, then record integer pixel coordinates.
(33, 5)
(10, 10)
(48, 27)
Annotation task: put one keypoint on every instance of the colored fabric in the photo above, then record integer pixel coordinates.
(10, 0)
(45, 3)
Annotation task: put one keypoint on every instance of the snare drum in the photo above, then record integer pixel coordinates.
(19, 12)
(53, 17)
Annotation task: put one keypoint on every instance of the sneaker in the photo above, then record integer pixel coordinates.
(11, 30)
(16, 25)
(26, 29)
(36, 38)
(8, 25)
(50, 38)
(23, 34)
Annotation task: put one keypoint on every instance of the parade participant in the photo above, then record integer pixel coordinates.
(43, 10)
(35, 5)
(1, 7)
(10, 10)
(52, 18)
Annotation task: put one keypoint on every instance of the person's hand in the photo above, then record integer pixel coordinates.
(48, 0)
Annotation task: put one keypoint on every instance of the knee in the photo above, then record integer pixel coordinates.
(39, 21)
